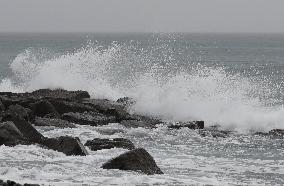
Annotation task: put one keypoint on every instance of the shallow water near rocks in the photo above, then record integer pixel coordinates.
(184, 156)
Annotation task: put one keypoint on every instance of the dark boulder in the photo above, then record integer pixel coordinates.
(10, 134)
(136, 124)
(28, 131)
(140, 121)
(126, 101)
(136, 160)
(2, 107)
(18, 110)
(53, 122)
(44, 109)
(65, 106)
(66, 144)
(277, 133)
(109, 131)
(16, 99)
(13, 183)
(98, 144)
(59, 93)
(88, 118)
(274, 134)
(190, 125)
(109, 108)
(215, 133)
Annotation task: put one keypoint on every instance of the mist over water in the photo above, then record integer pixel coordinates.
(163, 83)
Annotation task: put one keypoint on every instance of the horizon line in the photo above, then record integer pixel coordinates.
(135, 32)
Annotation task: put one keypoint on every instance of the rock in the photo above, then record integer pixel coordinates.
(54, 122)
(98, 144)
(2, 107)
(66, 144)
(140, 121)
(20, 111)
(12, 183)
(88, 118)
(136, 160)
(16, 99)
(109, 108)
(277, 133)
(63, 106)
(44, 109)
(136, 124)
(110, 131)
(261, 133)
(26, 99)
(126, 101)
(28, 131)
(190, 125)
(10, 134)
(215, 133)
(60, 93)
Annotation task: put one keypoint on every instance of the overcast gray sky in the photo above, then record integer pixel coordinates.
(142, 15)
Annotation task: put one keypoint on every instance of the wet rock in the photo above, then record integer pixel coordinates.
(66, 144)
(109, 108)
(88, 118)
(20, 111)
(136, 124)
(110, 131)
(28, 131)
(98, 144)
(261, 133)
(215, 133)
(26, 99)
(140, 121)
(191, 125)
(12, 183)
(2, 107)
(10, 134)
(16, 99)
(277, 133)
(136, 160)
(60, 93)
(126, 101)
(65, 106)
(44, 109)
(53, 122)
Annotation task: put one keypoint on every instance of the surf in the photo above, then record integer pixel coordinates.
(161, 86)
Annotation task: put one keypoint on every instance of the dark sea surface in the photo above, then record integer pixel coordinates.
(233, 80)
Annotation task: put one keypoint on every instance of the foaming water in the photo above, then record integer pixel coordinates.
(184, 156)
(160, 85)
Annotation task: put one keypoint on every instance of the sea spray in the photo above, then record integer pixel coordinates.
(161, 85)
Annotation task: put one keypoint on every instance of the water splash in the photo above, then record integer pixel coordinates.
(162, 85)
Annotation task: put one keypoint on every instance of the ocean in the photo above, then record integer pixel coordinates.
(232, 80)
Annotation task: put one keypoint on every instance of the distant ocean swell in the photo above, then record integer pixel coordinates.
(161, 88)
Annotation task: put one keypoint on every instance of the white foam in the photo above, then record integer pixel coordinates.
(185, 157)
(198, 92)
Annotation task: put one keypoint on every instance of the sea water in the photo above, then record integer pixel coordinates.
(231, 80)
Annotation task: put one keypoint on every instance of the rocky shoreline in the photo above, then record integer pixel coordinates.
(20, 112)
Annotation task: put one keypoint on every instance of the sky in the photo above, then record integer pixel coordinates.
(142, 16)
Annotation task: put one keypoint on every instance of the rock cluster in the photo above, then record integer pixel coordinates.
(275, 133)
(12, 183)
(20, 112)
